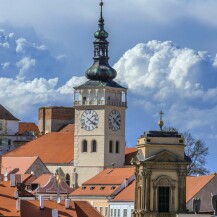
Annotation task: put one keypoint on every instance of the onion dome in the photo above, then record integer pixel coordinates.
(101, 70)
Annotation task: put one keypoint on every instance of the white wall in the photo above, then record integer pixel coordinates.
(115, 206)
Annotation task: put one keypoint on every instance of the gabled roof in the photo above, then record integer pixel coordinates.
(111, 176)
(51, 148)
(6, 115)
(195, 183)
(51, 187)
(42, 180)
(17, 165)
(127, 194)
(27, 127)
(77, 209)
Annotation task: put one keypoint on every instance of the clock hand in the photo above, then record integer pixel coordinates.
(91, 121)
(115, 120)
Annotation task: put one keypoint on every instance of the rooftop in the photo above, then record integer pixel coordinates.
(195, 183)
(27, 127)
(6, 115)
(53, 148)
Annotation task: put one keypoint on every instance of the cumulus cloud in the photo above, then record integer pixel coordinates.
(182, 81)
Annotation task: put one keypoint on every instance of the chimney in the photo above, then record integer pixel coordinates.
(126, 183)
(5, 176)
(16, 194)
(18, 205)
(67, 203)
(12, 180)
(54, 212)
(41, 201)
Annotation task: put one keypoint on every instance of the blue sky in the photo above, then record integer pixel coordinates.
(164, 52)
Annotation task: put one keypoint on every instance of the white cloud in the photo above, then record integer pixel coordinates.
(181, 81)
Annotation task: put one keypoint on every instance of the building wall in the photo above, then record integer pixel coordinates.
(51, 119)
(129, 206)
(9, 127)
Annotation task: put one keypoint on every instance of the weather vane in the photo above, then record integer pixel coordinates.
(160, 122)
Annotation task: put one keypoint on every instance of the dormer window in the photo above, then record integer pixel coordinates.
(83, 188)
(92, 188)
(113, 188)
(102, 188)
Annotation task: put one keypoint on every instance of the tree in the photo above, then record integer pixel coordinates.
(196, 150)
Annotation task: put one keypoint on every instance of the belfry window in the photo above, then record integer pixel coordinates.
(117, 147)
(94, 146)
(84, 146)
(110, 146)
(163, 199)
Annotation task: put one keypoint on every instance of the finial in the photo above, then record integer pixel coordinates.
(160, 122)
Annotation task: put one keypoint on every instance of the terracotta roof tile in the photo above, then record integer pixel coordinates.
(7, 200)
(129, 154)
(6, 115)
(51, 148)
(94, 190)
(77, 209)
(28, 126)
(70, 128)
(127, 194)
(17, 165)
(195, 183)
(111, 176)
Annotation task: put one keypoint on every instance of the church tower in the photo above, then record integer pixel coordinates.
(100, 104)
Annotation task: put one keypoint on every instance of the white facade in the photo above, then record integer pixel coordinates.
(121, 209)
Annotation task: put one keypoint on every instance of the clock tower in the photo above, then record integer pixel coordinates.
(100, 104)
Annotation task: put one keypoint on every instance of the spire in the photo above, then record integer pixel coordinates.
(101, 70)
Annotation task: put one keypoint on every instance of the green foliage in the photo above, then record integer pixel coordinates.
(197, 150)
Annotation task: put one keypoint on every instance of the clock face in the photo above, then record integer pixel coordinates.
(89, 120)
(114, 120)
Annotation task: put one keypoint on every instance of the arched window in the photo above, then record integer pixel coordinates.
(110, 146)
(68, 179)
(117, 148)
(94, 146)
(84, 146)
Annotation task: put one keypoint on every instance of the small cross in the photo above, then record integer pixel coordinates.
(160, 122)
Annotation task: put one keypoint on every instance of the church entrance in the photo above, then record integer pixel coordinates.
(163, 199)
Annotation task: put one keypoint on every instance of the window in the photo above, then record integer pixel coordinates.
(125, 213)
(93, 146)
(118, 212)
(132, 212)
(117, 147)
(68, 179)
(111, 212)
(163, 199)
(9, 144)
(106, 211)
(115, 213)
(0, 126)
(110, 147)
(84, 146)
(101, 210)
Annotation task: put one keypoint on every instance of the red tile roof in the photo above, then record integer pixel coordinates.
(195, 183)
(129, 154)
(127, 194)
(94, 190)
(17, 165)
(7, 200)
(111, 176)
(77, 209)
(28, 126)
(6, 115)
(42, 180)
(70, 128)
(51, 148)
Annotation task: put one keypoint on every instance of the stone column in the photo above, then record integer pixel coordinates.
(182, 192)
(148, 180)
(173, 199)
(155, 199)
